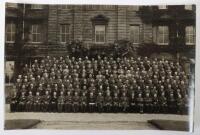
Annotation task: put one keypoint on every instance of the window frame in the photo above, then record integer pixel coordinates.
(65, 34)
(138, 34)
(95, 33)
(192, 34)
(12, 33)
(36, 33)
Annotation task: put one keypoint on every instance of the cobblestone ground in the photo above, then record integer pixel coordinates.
(120, 121)
(102, 125)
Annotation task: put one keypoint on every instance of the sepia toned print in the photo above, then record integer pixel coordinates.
(99, 66)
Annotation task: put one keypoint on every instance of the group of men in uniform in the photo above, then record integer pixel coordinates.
(99, 84)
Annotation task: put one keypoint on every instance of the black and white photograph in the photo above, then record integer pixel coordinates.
(99, 66)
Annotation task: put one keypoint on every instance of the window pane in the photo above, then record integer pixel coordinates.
(100, 33)
(10, 32)
(162, 7)
(64, 33)
(36, 33)
(13, 36)
(8, 37)
(67, 37)
(166, 39)
(8, 29)
(67, 28)
(13, 27)
(34, 38)
(163, 35)
(101, 37)
(36, 6)
(14, 5)
(134, 34)
(63, 38)
(189, 35)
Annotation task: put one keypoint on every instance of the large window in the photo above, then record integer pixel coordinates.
(11, 5)
(190, 35)
(134, 8)
(10, 32)
(188, 7)
(100, 33)
(36, 33)
(64, 33)
(161, 35)
(36, 6)
(135, 34)
(162, 7)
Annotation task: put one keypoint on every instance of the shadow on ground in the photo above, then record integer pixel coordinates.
(20, 124)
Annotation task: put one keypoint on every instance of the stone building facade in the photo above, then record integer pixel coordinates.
(39, 30)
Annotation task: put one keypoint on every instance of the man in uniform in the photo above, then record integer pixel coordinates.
(22, 102)
(155, 103)
(171, 102)
(37, 102)
(76, 101)
(91, 102)
(30, 101)
(139, 101)
(14, 102)
(133, 102)
(46, 101)
(116, 102)
(124, 103)
(162, 103)
(108, 102)
(53, 102)
(180, 104)
(61, 101)
(100, 102)
(83, 101)
(68, 102)
(147, 103)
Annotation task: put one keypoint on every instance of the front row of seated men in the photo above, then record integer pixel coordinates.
(73, 102)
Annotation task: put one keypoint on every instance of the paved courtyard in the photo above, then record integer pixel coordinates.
(118, 121)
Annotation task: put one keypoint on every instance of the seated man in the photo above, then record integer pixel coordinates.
(37, 102)
(53, 102)
(76, 100)
(22, 103)
(147, 103)
(163, 103)
(83, 101)
(108, 102)
(30, 101)
(14, 102)
(180, 104)
(116, 102)
(139, 103)
(100, 102)
(155, 103)
(61, 101)
(133, 102)
(68, 102)
(124, 103)
(46, 101)
(171, 102)
(91, 102)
